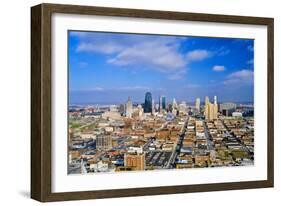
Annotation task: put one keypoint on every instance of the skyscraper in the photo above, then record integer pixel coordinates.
(175, 105)
(206, 106)
(129, 108)
(140, 111)
(197, 104)
(148, 103)
(215, 99)
(206, 100)
(122, 109)
(210, 115)
(182, 108)
(216, 108)
(211, 110)
(162, 103)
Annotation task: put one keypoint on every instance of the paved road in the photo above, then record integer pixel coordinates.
(146, 145)
(210, 144)
(176, 152)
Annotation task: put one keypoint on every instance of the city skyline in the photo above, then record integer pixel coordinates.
(109, 67)
(156, 100)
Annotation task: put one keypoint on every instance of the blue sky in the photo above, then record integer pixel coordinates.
(109, 67)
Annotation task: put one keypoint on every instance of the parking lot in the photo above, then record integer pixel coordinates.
(157, 158)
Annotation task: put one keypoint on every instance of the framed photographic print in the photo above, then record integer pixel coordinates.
(132, 102)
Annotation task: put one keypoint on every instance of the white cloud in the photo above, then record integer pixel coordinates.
(219, 68)
(143, 52)
(94, 89)
(198, 55)
(155, 54)
(244, 73)
(108, 48)
(97, 89)
(242, 77)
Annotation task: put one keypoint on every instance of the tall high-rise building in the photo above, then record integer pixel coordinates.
(162, 103)
(215, 99)
(175, 105)
(211, 114)
(122, 109)
(103, 142)
(216, 108)
(197, 104)
(148, 103)
(129, 108)
(182, 108)
(211, 110)
(140, 111)
(206, 106)
(137, 161)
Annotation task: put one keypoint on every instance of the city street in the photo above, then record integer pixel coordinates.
(176, 151)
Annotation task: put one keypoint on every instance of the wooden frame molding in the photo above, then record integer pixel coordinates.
(41, 101)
